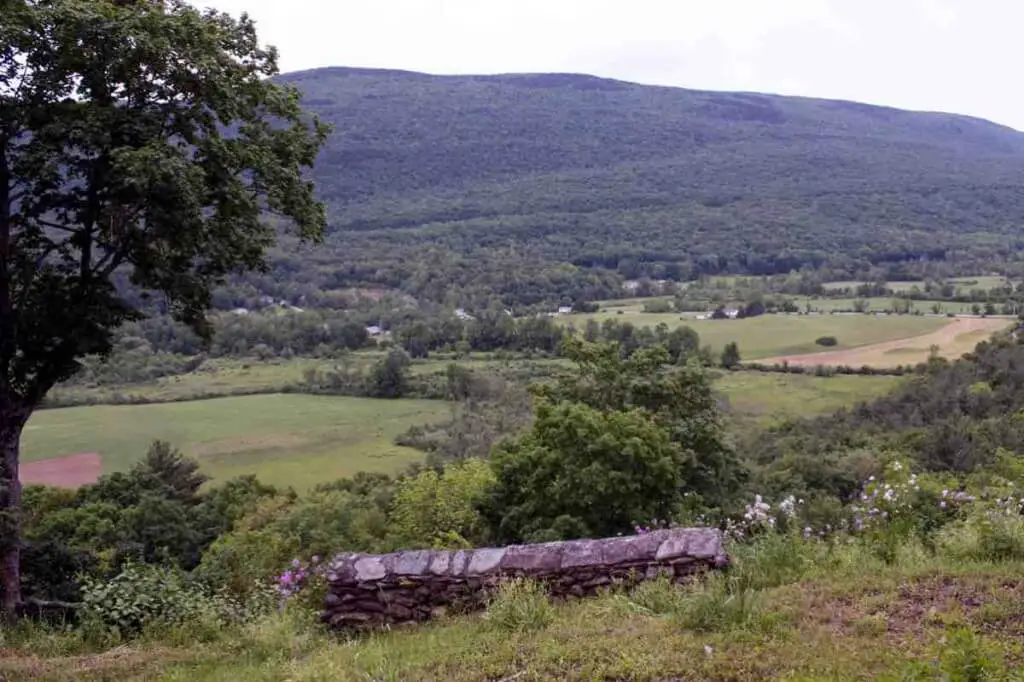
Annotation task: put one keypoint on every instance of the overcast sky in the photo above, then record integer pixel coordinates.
(961, 56)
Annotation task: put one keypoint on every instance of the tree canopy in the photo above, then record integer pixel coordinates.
(145, 153)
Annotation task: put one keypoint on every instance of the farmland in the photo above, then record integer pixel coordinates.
(963, 283)
(301, 440)
(297, 440)
(773, 335)
(954, 339)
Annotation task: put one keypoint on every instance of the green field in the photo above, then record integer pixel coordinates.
(967, 283)
(772, 335)
(881, 303)
(768, 396)
(297, 440)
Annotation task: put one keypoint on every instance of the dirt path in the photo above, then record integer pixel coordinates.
(70, 471)
(956, 338)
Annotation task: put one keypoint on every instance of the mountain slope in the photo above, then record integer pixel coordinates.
(540, 169)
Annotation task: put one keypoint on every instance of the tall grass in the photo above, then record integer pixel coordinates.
(520, 605)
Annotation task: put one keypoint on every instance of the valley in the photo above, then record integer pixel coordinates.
(373, 374)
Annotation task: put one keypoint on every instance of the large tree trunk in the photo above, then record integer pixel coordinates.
(13, 416)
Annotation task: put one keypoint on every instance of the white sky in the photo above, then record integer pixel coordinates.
(961, 56)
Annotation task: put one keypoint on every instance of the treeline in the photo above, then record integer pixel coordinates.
(157, 347)
(962, 416)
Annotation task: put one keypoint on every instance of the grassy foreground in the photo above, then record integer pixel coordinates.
(808, 612)
(286, 439)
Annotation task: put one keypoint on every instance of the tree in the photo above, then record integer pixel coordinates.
(730, 355)
(390, 376)
(145, 155)
(677, 398)
(582, 472)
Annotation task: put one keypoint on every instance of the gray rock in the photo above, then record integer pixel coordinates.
(412, 563)
(370, 568)
(485, 561)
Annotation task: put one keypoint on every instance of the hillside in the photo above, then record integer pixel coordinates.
(468, 172)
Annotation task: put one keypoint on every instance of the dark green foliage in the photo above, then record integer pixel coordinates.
(390, 376)
(144, 149)
(457, 188)
(730, 355)
(583, 473)
(155, 513)
(950, 417)
(617, 441)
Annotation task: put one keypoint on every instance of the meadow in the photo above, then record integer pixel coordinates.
(769, 396)
(961, 335)
(964, 283)
(774, 335)
(297, 440)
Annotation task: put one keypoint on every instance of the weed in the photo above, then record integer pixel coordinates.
(965, 658)
(520, 605)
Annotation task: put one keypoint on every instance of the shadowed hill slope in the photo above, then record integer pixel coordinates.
(470, 172)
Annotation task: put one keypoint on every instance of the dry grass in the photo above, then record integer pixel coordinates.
(954, 339)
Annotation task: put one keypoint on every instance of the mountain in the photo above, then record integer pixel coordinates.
(535, 186)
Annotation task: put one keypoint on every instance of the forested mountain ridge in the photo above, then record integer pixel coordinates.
(441, 184)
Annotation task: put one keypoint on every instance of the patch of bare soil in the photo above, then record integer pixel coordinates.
(938, 602)
(70, 471)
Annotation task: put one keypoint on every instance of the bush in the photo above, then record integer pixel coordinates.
(826, 341)
(985, 536)
(520, 605)
(144, 596)
(437, 510)
(658, 305)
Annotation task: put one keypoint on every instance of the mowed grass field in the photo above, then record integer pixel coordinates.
(297, 440)
(777, 335)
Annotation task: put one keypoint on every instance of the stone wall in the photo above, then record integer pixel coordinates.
(368, 590)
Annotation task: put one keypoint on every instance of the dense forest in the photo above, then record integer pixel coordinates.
(552, 188)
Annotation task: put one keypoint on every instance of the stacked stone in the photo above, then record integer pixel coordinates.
(371, 590)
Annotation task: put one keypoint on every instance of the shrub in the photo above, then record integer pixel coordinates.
(826, 341)
(988, 535)
(658, 305)
(520, 605)
(144, 596)
(437, 510)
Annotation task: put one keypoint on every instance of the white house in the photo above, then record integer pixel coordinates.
(564, 309)
(463, 315)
